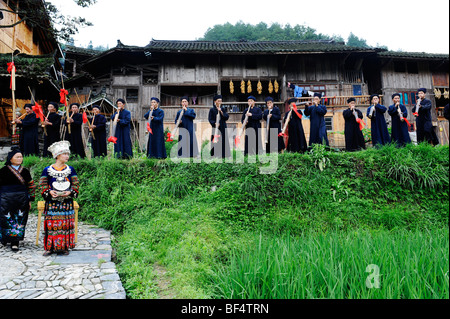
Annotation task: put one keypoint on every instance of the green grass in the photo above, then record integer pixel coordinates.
(335, 265)
(202, 220)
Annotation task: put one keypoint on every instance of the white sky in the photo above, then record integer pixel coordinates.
(408, 25)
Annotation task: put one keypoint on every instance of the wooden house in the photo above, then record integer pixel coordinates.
(405, 72)
(201, 69)
(34, 51)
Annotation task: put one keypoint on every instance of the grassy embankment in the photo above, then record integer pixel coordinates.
(316, 228)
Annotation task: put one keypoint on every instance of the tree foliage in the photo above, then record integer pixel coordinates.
(45, 15)
(275, 32)
(263, 32)
(354, 41)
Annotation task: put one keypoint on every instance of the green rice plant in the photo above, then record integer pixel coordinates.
(411, 265)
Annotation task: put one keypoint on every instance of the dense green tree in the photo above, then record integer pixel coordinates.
(263, 32)
(354, 41)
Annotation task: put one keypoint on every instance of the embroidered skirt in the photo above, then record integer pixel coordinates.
(59, 225)
(14, 209)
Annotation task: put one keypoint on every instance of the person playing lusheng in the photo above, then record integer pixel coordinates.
(59, 186)
(16, 195)
(379, 130)
(29, 143)
(399, 115)
(123, 148)
(318, 129)
(156, 147)
(253, 142)
(424, 124)
(187, 139)
(354, 138)
(220, 146)
(52, 126)
(275, 143)
(296, 134)
(75, 137)
(98, 127)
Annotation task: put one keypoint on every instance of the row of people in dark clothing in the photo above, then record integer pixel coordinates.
(290, 138)
(56, 128)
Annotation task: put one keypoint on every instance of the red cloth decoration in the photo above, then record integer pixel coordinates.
(11, 67)
(149, 129)
(407, 122)
(237, 140)
(169, 137)
(62, 94)
(112, 139)
(296, 112)
(38, 110)
(85, 119)
(361, 123)
(416, 114)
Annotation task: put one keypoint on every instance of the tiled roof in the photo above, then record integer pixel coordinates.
(258, 47)
(414, 55)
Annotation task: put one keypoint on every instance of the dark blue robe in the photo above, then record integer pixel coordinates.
(379, 130)
(296, 140)
(76, 137)
(29, 142)
(318, 129)
(123, 148)
(274, 143)
(222, 146)
(354, 138)
(400, 133)
(53, 133)
(424, 124)
(187, 140)
(156, 147)
(99, 147)
(252, 146)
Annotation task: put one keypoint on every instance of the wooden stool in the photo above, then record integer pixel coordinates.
(41, 207)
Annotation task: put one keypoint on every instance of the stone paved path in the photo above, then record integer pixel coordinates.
(86, 273)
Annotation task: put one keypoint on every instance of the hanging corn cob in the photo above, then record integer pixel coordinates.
(249, 87)
(276, 86)
(242, 87)
(259, 87)
(270, 87)
(231, 87)
(446, 95)
(437, 93)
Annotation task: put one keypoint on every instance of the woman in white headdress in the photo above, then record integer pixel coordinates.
(59, 186)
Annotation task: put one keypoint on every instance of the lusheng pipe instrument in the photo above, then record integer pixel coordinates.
(12, 70)
(45, 126)
(149, 128)
(91, 131)
(20, 118)
(237, 140)
(358, 120)
(372, 111)
(268, 126)
(418, 105)
(289, 117)
(176, 129)
(216, 131)
(400, 114)
(112, 138)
